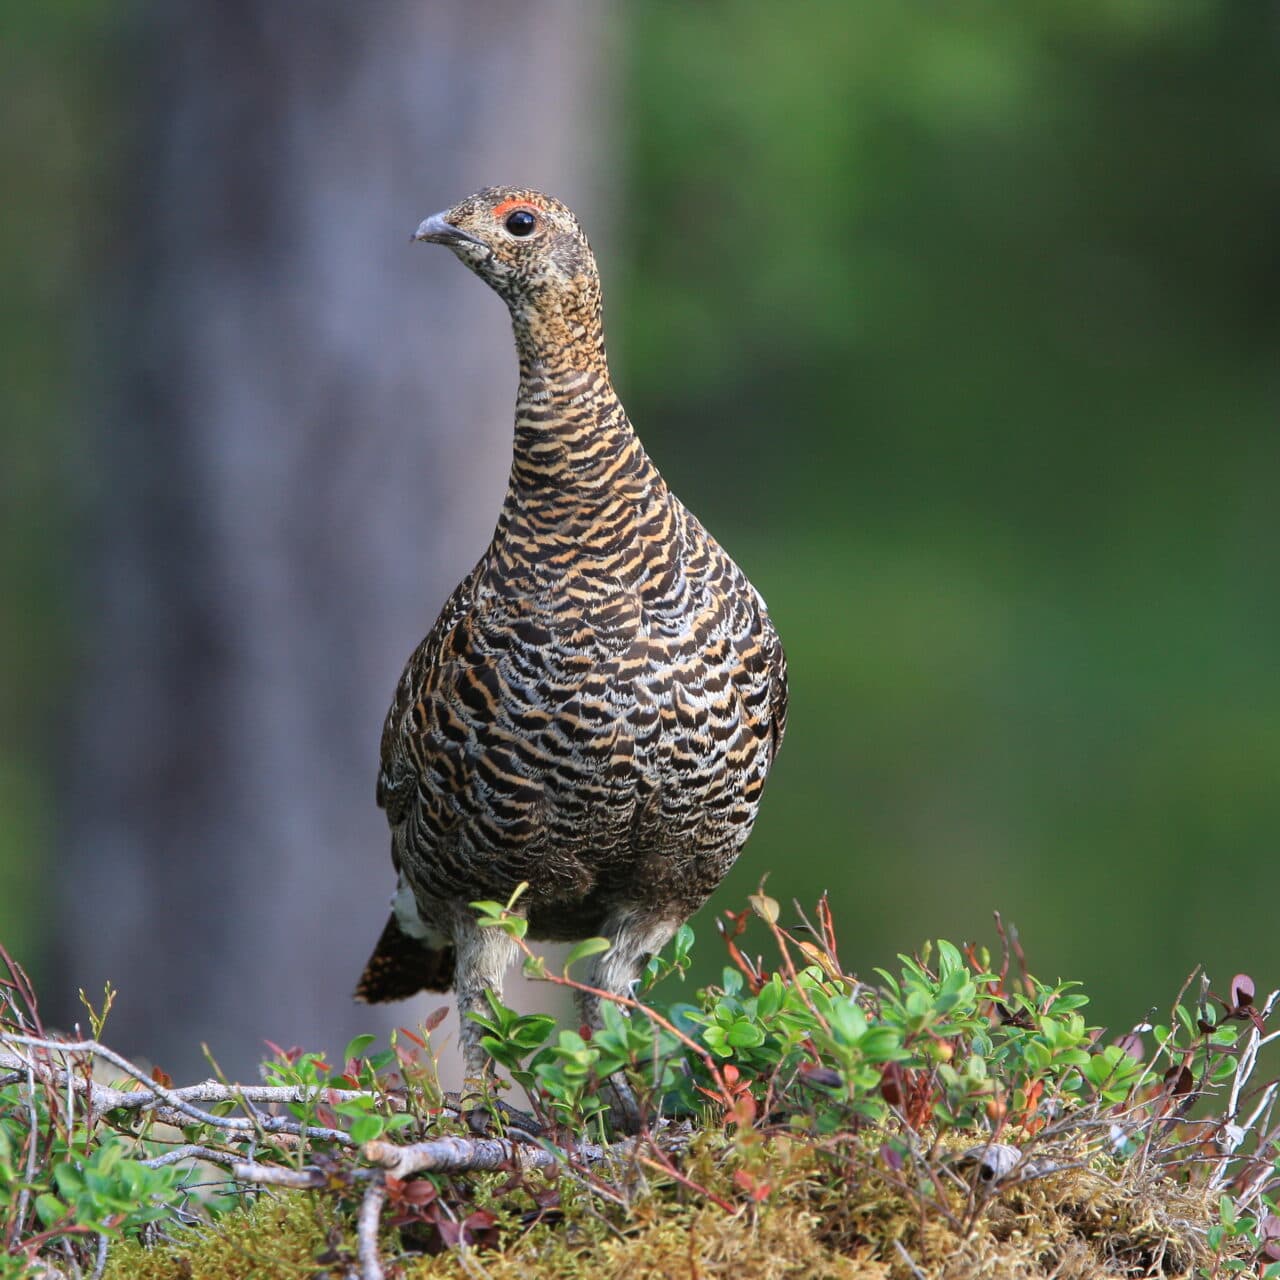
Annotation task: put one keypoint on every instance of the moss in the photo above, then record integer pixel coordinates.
(283, 1235)
(824, 1213)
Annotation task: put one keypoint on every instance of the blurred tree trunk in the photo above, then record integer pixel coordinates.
(305, 449)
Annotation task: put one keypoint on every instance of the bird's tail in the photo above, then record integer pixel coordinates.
(402, 966)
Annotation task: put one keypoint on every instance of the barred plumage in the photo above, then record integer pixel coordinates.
(600, 701)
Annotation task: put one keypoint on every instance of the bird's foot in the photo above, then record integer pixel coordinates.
(487, 1116)
(625, 1113)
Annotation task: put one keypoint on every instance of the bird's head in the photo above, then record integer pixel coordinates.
(525, 245)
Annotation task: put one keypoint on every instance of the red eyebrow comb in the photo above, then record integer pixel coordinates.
(507, 205)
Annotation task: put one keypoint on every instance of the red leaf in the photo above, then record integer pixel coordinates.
(434, 1019)
(288, 1055)
(419, 1192)
(824, 1076)
(162, 1078)
(546, 1198)
(479, 1224)
(891, 1084)
(1178, 1080)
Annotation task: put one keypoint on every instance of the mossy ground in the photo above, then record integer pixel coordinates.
(816, 1221)
(827, 1129)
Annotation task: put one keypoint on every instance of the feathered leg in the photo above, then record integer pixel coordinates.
(635, 939)
(483, 957)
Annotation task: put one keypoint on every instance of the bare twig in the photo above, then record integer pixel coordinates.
(110, 1099)
(33, 1142)
(191, 1151)
(276, 1176)
(910, 1262)
(100, 1262)
(367, 1230)
(457, 1155)
(177, 1109)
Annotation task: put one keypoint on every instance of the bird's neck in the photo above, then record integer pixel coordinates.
(559, 332)
(572, 435)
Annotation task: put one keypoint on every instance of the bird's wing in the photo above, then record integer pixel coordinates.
(397, 771)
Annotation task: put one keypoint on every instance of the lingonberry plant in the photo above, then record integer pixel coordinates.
(943, 1091)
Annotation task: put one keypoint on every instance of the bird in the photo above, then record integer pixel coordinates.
(596, 710)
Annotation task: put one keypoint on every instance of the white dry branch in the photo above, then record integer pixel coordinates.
(65, 1068)
(457, 1155)
(1235, 1131)
(55, 1066)
(367, 1231)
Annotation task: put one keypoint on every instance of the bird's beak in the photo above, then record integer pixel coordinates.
(437, 230)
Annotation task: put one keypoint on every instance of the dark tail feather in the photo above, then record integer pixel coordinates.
(402, 966)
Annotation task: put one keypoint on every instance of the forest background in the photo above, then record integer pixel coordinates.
(957, 325)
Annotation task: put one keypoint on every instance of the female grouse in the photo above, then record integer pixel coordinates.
(597, 707)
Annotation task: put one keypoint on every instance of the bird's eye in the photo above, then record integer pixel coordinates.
(521, 222)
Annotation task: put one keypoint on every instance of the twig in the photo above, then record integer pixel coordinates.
(629, 1002)
(367, 1230)
(191, 1151)
(458, 1155)
(907, 1258)
(275, 1176)
(110, 1099)
(1248, 1058)
(177, 1109)
(100, 1263)
(33, 1142)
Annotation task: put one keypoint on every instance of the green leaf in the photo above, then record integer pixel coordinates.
(744, 1035)
(769, 1001)
(366, 1128)
(69, 1180)
(950, 960)
(1226, 1211)
(356, 1048)
(50, 1208)
(587, 947)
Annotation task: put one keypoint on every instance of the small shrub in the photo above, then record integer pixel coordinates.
(947, 1091)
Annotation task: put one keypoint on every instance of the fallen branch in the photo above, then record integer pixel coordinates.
(474, 1155)
(273, 1175)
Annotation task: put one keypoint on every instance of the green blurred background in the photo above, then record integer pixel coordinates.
(958, 326)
